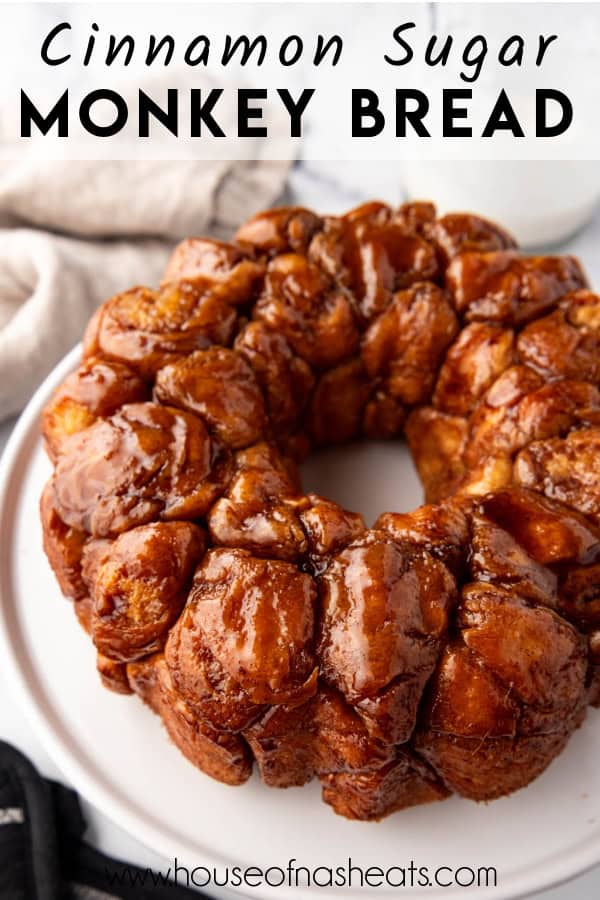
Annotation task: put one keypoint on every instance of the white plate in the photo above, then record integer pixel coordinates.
(116, 754)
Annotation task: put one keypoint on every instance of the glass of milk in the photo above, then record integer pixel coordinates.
(541, 202)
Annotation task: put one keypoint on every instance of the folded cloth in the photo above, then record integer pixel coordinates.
(42, 852)
(72, 233)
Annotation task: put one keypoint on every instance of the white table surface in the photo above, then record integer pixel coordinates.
(324, 191)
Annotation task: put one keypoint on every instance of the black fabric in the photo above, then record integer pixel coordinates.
(42, 852)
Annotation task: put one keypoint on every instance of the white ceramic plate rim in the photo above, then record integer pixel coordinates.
(98, 791)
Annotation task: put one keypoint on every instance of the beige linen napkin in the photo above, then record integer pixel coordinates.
(73, 233)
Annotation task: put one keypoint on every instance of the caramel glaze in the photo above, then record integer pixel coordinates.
(452, 648)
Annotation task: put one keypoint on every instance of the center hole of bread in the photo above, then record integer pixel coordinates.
(369, 477)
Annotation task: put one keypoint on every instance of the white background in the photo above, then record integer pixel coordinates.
(571, 65)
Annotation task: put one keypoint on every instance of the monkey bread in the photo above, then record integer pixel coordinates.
(454, 648)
